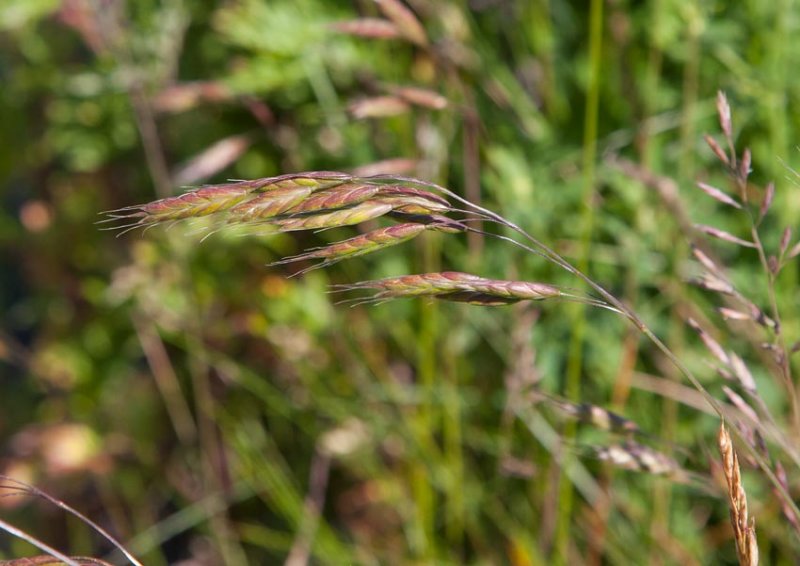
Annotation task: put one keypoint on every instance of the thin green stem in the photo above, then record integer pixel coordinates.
(575, 355)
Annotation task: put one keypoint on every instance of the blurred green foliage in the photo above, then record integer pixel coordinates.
(201, 405)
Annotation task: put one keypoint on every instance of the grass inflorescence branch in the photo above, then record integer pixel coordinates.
(323, 200)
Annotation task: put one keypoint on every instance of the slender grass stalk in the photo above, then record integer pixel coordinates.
(662, 491)
(17, 487)
(19, 533)
(578, 312)
(427, 420)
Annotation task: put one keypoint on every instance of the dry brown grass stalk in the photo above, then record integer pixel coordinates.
(45, 560)
(12, 487)
(744, 527)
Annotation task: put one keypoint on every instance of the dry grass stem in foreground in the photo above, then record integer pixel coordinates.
(744, 527)
(12, 487)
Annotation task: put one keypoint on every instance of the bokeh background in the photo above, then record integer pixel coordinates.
(208, 409)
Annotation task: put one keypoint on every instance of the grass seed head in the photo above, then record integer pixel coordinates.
(342, 196)
(744, 529)
(344, 217)
(373, 28)
(638, 457)
(378, 107)
(316, 180)
(193, 204)
(362, 244)
(215, 199)
(270, 204)
(457, 286)
(595, 416)
(724, 113)
(404, 19)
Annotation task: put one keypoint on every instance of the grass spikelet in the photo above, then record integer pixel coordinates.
(378, 107)
(456, 286)
(595, 416)
(404, 19)
(344, 217)
(339, 197)
(200, 202)
(317, 180)
(415, 201)
(363, 244)
(744, 527)
(270, 204)
(420, 97)
(373, 28)
(638, 457)
(220, 198)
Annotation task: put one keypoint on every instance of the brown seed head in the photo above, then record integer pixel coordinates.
(743, 527)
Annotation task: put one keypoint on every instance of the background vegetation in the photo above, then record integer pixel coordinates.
(204, 407)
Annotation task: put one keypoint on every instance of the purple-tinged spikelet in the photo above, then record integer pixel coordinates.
(372, 241)
(269, 204)
(342, 196)
(215, 199)
(343, 217)
(457, 286)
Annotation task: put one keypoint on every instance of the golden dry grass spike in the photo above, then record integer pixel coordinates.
(744, 527)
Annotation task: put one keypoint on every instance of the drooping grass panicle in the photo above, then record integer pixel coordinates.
(284, 197)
